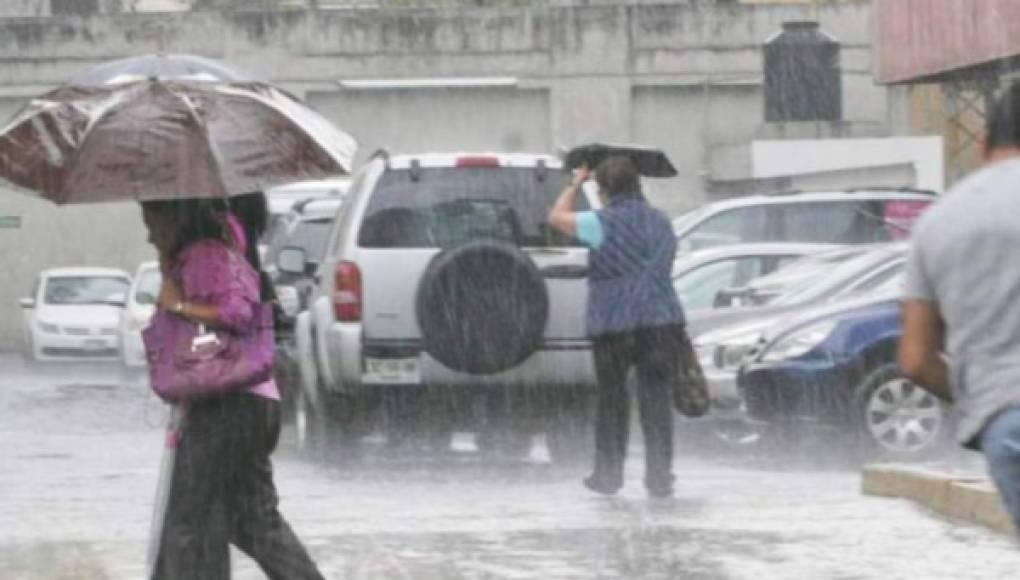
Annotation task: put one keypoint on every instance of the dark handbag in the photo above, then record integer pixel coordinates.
(690, 389)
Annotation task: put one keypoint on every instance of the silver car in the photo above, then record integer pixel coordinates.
(444, 297)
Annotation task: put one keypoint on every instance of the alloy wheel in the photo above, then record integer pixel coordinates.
(902, 417)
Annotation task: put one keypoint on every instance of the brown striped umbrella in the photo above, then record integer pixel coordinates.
(186, 136)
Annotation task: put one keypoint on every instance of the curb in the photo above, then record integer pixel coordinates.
(961, 497)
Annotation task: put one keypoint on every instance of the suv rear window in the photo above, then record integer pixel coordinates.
(449, 206)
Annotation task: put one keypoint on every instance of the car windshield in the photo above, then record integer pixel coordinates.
(685, 220)
(818, 287)
(310, 235)
(85, 289)
(147, 288)
(447, 206)
(808, 264)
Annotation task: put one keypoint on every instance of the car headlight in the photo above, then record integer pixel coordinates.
(49, 328)
(730, 355)
(799, 343)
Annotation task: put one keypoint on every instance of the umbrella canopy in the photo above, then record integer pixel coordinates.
(179, 67)
(159, 140)
(650, 162)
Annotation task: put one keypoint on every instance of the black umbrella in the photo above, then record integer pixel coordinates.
(650, 162)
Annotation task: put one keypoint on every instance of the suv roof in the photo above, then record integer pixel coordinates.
(404, 161)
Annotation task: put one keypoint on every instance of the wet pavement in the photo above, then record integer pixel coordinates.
(81, 449)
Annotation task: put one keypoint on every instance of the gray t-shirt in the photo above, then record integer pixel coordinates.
(965, 257)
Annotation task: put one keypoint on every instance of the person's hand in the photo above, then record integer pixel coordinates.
(581, 174)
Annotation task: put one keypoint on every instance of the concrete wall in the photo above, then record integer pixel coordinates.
(686, 77)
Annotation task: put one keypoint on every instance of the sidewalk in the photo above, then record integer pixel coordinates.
(959, 493)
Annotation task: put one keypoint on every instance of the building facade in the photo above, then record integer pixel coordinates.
(686, 77)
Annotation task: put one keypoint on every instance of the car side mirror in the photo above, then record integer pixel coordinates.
(27, 303)
(292, 261)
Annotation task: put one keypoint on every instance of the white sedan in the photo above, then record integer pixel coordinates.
(141, 305)
(74, 314)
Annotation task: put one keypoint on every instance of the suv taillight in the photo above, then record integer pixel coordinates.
(347, 294)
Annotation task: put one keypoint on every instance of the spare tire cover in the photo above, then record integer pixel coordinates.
(482, 307)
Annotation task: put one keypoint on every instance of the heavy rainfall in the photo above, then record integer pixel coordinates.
(492, 289)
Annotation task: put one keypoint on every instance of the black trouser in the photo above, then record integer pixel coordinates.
(653, 352)
(222, 492)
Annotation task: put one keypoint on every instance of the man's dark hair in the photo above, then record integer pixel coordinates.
(1002, 125)
(617, 175)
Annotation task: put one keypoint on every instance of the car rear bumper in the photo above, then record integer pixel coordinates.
(557, 363)
(791, 390)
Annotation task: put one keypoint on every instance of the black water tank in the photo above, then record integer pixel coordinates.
(802, 77)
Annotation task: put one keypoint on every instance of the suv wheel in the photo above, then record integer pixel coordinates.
(897, 418)
(482, 307)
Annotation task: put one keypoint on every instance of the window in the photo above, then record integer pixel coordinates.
(448, 206)
(734, 226)
(699, 288)
(311, 236)
(85, 290)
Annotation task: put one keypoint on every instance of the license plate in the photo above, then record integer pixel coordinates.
(95, 344)
(392, 371)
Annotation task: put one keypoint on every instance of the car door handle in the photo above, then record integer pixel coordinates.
(565, 272)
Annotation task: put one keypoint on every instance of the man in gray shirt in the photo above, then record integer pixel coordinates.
(961, 310)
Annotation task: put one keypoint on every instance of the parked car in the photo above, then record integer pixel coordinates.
(722, 338)
(305, 228)
(767, 288)
(74, 314)
(443, 286)
(851, 217)
(836, 366)
(282, 200)
(702, 277)
(141, 305)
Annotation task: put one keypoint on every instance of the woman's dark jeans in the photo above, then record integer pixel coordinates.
(222, 492)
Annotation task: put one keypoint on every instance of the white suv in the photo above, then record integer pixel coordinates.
(445, 298)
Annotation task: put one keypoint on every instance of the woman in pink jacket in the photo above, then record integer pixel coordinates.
(222, 488)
